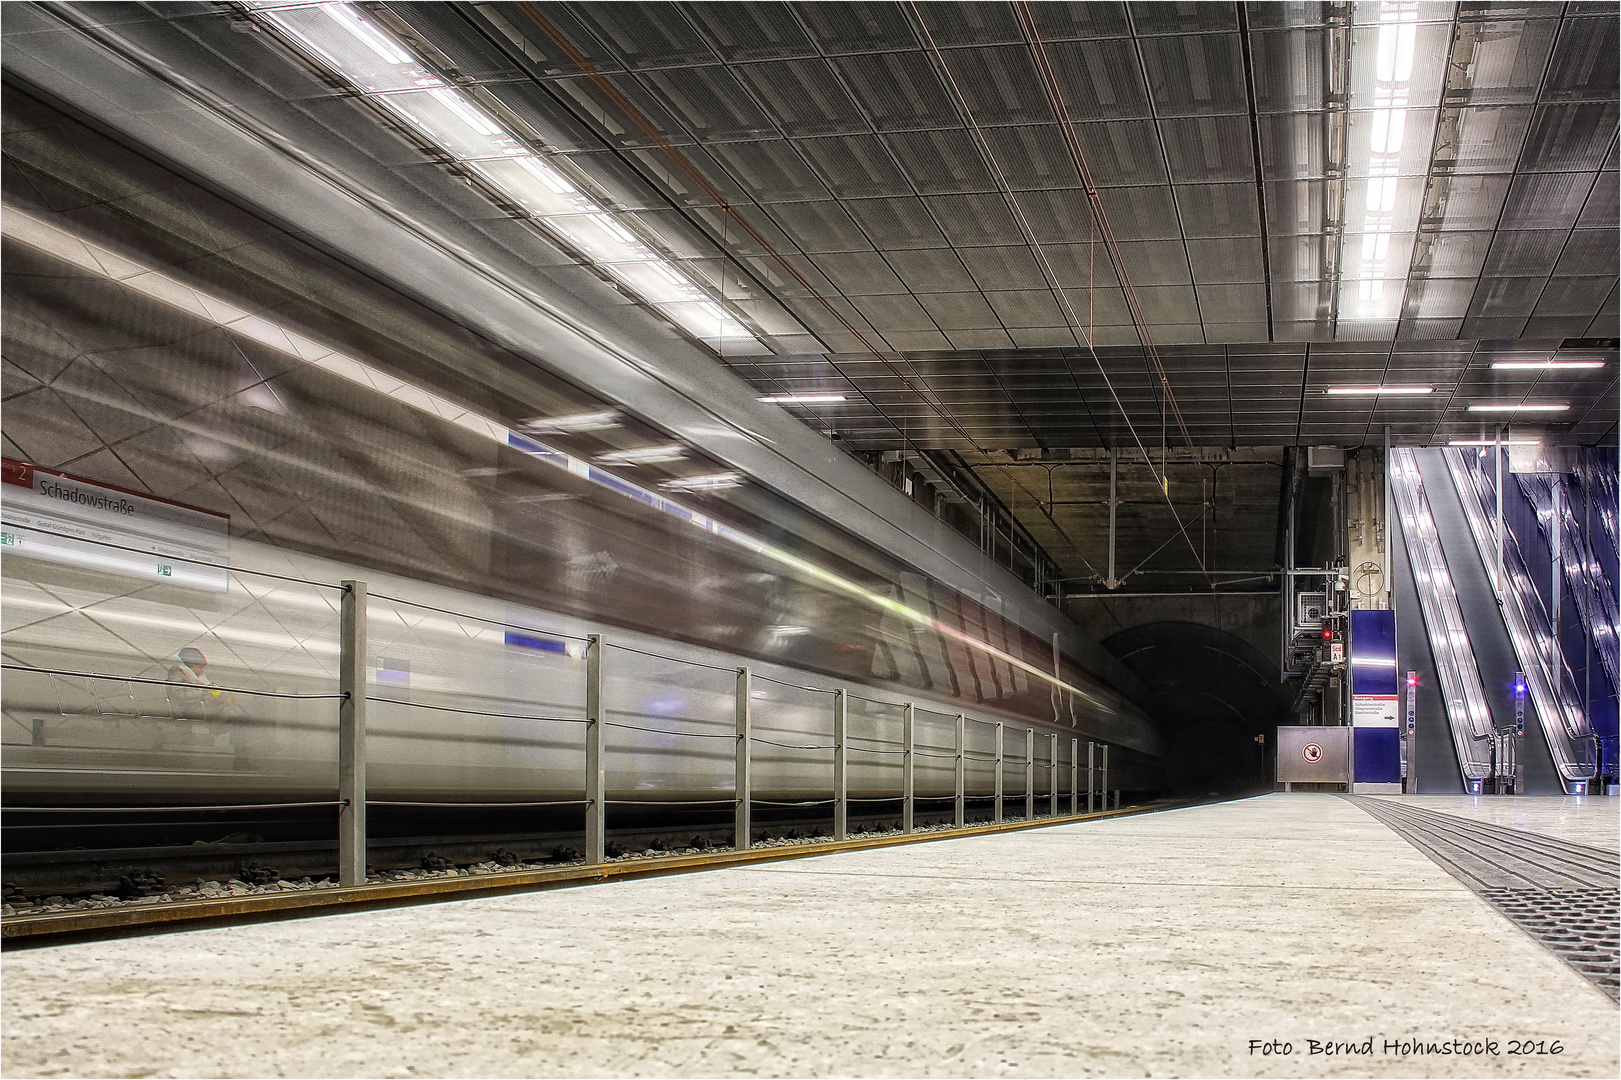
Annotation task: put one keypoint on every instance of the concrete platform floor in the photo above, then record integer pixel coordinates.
(1162, 945)
(1594, 820)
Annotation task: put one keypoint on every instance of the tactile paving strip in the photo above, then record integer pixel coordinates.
(1564, 895)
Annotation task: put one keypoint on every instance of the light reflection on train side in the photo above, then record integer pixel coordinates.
(85, 254)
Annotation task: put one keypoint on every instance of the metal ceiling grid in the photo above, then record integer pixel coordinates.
(832, 129)
(860, 115)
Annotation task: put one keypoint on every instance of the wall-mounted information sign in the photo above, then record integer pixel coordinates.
(59, 518)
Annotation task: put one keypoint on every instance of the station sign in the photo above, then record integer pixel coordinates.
(55, 517)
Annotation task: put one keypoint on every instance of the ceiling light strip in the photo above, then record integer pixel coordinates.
(1545, 365)
(1367, 391)
(1520, 407)
(456, 125)
(1393, 73)
(27, 228)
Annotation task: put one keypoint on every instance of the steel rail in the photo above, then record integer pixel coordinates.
(22, 931)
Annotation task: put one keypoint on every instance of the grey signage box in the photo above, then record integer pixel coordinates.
(1313, 755)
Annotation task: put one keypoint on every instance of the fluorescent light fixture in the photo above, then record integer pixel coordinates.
(644, 455)
(1518, 408)
(573, 423)
(1542, 365)
(1370, 390)
(803, 399)
(1494, 442)
(73, 249)
(351, 44)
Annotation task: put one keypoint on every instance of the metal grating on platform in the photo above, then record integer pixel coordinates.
(1563, 894)
(1578, 925)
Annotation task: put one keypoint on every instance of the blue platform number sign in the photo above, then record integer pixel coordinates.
(1375, 701)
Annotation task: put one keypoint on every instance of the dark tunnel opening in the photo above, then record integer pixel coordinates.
(1213, 695)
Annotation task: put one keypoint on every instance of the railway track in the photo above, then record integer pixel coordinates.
(153, 914)
(288, 847)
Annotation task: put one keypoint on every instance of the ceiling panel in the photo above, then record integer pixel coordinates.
(803, 97)
(940, 161)
(999, 84)
(898, 91)
(1206, 149)
(1588, 252)
(751, 31)
(831, 127)
(857, 27)
(1545, 200)
(819, 226)
(1585, 61)
(645, 34)
(1195, 75)
(1290, 68)
(855, 166)
(1524, 253)
(896, 223)
(1570, 138)
(1184, 18)
(1101, 80)
(1123, 153)
(1210, 210)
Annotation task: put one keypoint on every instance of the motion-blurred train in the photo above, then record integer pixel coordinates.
(187, 485)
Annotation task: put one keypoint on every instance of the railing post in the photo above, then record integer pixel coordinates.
(1074, 776)
(1105, 784)
(841, 781)
(352, 735)
(1091, 776)
(1029, 774)
(908, 770)
(960, 807)
(999, 772)
(1052, 784)
(596, 804)
(744, 790)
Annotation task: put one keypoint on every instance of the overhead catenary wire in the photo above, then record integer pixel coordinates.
(1100, 220)
(730, 214)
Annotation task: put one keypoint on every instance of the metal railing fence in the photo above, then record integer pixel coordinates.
(354, 704)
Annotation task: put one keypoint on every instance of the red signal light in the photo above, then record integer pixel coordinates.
(1327, 634)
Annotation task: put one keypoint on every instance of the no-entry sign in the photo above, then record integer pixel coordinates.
(1311, 752)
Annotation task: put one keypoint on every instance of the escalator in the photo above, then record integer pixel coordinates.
(1471, 648)
(1434, 766)
(1452, 713)
(1553, 696)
